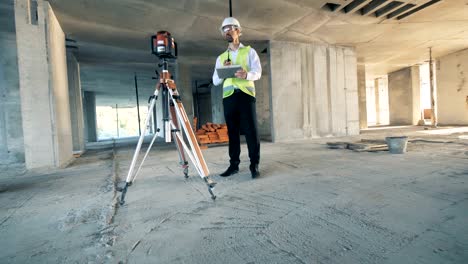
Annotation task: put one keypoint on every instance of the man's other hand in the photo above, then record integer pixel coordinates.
(241, 74)
(227, 62)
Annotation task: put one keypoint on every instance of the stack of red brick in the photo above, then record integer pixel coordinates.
(212, 133)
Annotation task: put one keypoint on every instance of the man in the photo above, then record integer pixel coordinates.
(239, 97)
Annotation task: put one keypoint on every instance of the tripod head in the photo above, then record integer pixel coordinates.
(163, 45)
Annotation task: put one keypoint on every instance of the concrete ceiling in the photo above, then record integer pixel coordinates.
(119, 31)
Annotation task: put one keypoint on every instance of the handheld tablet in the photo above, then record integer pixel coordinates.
(227, 71)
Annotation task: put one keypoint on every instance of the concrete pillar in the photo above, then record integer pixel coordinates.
(404, 96)
(43, 84)
(11, 128)
(377, 101)
(351, 88)
(361, 75)
(89, 106)
(76, 103)
(263, 94)
(320, 89)
(313, 91)
(217, 108)
(184, 86)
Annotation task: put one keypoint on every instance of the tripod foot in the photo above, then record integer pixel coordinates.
(124, 192)
(211, 184)
(212, 194)
(186, 172)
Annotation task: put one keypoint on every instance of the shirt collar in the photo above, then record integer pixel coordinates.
(240, 46)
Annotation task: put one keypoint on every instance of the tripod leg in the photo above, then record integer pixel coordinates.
(128, 181)
(198, 159)
(209, 182)
(183, 161)
(146, 154)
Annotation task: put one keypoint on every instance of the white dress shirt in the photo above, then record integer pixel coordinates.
(253, 61)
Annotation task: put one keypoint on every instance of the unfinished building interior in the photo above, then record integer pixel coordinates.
(76, 78)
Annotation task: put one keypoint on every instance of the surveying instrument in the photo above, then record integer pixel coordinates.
(176, 122)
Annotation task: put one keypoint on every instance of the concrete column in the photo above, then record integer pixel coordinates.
(361, 75)
(217, 108)
(351, 87)
(320, 89)
(76, 103)
(416, 94)
(11, 129)
(184, 86)
(377, 101)
(263, 94)
(43, 85)
(404, 96)
(89, 106)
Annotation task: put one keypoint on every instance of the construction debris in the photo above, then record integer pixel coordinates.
(362, 146)
(210, 133)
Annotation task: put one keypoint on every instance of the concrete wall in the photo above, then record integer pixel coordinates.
(404, 96)
(76, 103)
(11, 130)
(452, 89)
(44, 88)
(313, 91)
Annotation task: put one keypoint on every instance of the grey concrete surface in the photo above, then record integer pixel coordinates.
(57, 216)
(310, 205)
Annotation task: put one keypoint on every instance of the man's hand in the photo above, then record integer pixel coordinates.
(242, 74)
(227, 62)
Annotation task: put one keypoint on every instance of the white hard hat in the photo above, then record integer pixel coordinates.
(230, 21)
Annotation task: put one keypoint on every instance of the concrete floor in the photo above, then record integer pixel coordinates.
(310, 205)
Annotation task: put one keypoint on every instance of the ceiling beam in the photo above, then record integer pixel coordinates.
(391, 6)
(409, 13)
(372, 6)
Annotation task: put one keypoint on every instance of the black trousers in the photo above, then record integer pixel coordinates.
(240, 116)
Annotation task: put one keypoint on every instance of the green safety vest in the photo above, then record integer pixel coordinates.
(230, 84)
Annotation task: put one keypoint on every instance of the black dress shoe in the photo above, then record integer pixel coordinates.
(230, 171)
(254, 170)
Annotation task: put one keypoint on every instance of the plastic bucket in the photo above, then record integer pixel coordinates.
(397, 145)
